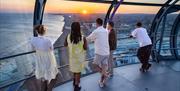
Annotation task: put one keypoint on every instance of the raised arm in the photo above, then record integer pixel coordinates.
(133, 34)
(91, 37)
(65, 42)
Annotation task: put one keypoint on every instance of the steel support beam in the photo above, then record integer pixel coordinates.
(110, 14)
(38, 13)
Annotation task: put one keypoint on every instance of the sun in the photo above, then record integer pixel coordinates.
(84, 12)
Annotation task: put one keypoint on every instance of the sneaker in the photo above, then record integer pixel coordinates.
(111, 76)
(149, 65)
(101, 84)
(77, 88)
(142, 70)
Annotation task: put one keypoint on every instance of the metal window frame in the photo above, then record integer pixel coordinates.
(169, 7)
(174, 38)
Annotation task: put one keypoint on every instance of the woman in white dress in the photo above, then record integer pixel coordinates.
(45, 65)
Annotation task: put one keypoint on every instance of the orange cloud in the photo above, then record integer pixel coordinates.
(17, 5)
(60, 6)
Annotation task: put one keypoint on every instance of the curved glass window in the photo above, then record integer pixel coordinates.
(15, 26)
(16, 29)
(16, 19)
(164, 31)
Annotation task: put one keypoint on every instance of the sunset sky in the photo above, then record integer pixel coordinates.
(62, 6)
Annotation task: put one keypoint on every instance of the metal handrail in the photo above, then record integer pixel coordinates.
(25, 53)
(30, 52)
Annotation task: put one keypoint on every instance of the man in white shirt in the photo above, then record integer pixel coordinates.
(100, 38)
(145, 44)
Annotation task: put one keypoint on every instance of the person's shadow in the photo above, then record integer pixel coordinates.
(33, 84)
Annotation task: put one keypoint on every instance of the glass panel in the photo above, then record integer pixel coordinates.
(16, 19)
(165, 48)
(54, 24)
(21, 67)
(15, 69)
(124, 25)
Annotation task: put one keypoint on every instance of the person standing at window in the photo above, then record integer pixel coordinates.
(100, 38)
(77, 46)
(45, 66)
(145, 44)
(112, 46)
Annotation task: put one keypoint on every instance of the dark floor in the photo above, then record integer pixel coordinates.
(164, 76)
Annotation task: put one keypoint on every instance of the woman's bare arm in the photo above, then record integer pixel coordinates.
(85, 43)
(65, 42)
